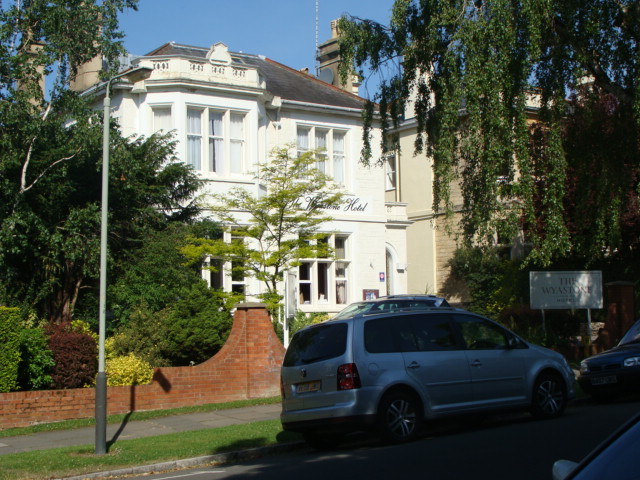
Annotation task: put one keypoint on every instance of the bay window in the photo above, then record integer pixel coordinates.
(225, 136)
(323, 280)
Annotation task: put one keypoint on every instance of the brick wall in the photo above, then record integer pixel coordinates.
(247, 366)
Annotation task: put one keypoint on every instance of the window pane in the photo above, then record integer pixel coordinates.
(390, 167)
(162, 121)
(303, 140)
(318, 343)
(216, 154)
(304, 283)
(194, 139)
(321, 146)
(341, 292)
(215, 123)
(480, 334)
(323, 282)
(305, 271)
(237, 142)
(433, 332)
(217, 276)
(340, 248)
(388, 335)
(338, 157)
(193, 152)
(194, 121)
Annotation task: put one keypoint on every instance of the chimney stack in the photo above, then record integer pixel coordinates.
(329, 60)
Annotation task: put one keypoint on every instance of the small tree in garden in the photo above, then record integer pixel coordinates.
(276, 226)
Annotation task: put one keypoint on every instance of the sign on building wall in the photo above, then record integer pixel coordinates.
(560, 290)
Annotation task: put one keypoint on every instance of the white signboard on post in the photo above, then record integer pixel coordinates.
(564, 290)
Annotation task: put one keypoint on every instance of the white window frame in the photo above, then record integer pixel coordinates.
(233, 137)
(335, 284)
(194, 138)
(390, 171)
(239, 285)
(332, 160)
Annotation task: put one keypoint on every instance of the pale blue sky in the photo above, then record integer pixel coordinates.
(283, 30)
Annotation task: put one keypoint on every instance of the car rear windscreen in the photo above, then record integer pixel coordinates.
(317, 343)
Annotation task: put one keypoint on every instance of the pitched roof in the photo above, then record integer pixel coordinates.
(283, 81)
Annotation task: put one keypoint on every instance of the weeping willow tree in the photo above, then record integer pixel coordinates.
(471, 70)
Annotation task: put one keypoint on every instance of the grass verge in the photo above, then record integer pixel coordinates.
(69, 461)
(88, 422)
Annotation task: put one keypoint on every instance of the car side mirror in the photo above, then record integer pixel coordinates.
(513, 342)
(562, 469)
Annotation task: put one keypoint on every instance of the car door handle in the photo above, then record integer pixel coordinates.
(413, 365)
(476, 363)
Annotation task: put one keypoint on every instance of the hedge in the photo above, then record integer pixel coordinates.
(10, 348)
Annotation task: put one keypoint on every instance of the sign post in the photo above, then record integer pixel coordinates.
(566, 290)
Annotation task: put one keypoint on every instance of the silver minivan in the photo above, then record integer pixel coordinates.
(392, 371)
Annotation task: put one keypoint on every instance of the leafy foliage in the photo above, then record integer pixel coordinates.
(51, 167)
(36, 360)
(196, 326)
(283, 222)
(75, 355)
(495, 283)
(127, 370)
(49, 244)
(154, 275)
(143, 335)
(302, 319)
(474, 73)
(603, 169)
(190, 329)
(10, 351)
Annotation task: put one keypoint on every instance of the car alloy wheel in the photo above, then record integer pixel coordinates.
(400, 417)
(549, 396)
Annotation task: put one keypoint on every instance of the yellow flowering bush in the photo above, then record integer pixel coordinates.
(127, 370)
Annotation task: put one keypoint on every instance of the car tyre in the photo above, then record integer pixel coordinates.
(322, 441)
(549, 396)
(399, 417)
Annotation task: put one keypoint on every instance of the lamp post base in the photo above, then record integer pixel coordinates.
(101, 413)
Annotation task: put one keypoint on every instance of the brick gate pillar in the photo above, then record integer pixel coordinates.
(620, 309)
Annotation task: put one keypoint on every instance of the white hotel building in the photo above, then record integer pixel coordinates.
(228, 111)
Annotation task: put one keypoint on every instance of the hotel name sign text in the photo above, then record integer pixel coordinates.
(565, 290)
(350, 204)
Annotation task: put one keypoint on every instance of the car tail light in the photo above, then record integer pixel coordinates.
(348, 377)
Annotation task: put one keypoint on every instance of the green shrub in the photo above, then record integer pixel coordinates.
(36, 360)
(10, 348)
(75, 355)
(197, 326)
(191, 330)
(494, 283)
(144, 335)
(127, 370)
(299, 321)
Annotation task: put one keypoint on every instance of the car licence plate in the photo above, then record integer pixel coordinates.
(604, 380)
(307, 387)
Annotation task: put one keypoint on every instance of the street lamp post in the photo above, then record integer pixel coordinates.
(132, 75)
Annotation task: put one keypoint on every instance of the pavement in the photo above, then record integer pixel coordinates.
(147, 428)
